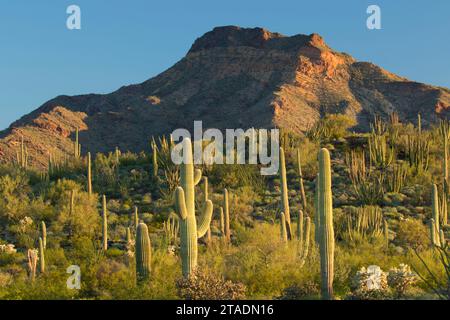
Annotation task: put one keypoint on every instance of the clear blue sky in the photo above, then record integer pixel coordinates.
(124, 42)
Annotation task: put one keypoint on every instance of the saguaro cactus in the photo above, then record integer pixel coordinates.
(325, 210)
(185, 207)
(32, 255)
(285, 194)
(143, 253)
(435, 215)
(76, 146)
(316, 210)
(136, 217)
(222, 222)
(44, 234)
(226, 210)
(304, 246)
(284, 237)
(89, 174)
(386, 233)
(434, 235)
(300, 174)
(41, 256)
(154, 158)
(104, 224)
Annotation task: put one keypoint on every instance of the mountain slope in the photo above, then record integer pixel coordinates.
(230, 78)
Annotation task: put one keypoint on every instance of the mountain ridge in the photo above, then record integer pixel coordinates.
(231, 77)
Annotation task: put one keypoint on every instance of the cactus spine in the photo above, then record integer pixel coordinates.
(226, 210)
(143, 253)
(41, 256)
(89, 174)
(44, 234)
(104, 224)
(185, 207)
(285, 194)
(325, 210)
(302, 188)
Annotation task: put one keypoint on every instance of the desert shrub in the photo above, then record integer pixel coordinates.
(202, 285)
(14, 190)
(401, 279)
(412, 233)
(83, 221)
(331, 126)
(369, 284)
(305, 291)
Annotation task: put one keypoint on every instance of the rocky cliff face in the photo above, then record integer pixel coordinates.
(230, 78)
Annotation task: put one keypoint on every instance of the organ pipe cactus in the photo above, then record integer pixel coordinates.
(41, 256)
(226, 210)
(143, 253)
(185, 207)
(104, 225)
(326, 236)
(285, 194)
(44, 234)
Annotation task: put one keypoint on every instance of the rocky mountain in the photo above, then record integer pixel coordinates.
(231, 78)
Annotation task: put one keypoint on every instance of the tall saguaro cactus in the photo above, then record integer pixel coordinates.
(285, 194)
(44, 234)
(143, 253)
(104, 224)
(435, 214)
(302, 187)
(185, 207)
(226, 210)
(41, 256)
(326, 237)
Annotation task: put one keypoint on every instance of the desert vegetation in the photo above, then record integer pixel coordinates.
(349, 216)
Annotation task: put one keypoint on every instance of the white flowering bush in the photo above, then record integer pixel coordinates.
(7, 248)
(400, 279)
(370, 283)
